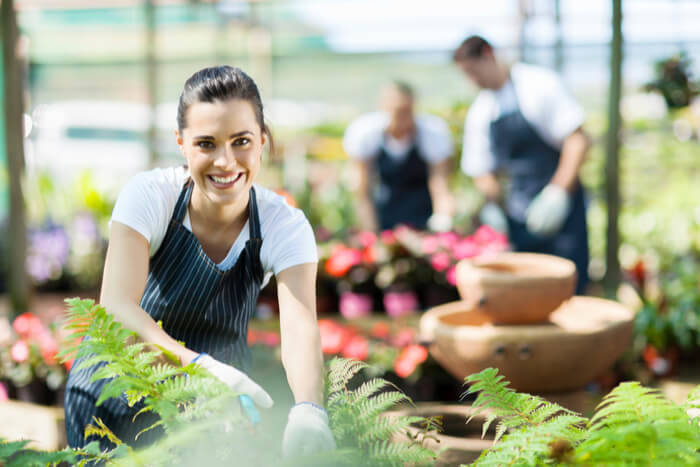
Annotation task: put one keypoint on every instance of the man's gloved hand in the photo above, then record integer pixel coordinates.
(492, 215)
(235, 379)
(439, 222)
(548, 211)
(307, 431)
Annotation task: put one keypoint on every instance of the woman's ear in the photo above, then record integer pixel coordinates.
(178, 140)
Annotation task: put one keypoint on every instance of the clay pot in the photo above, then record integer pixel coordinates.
(516, 288)
(461, 441)
(581, 340)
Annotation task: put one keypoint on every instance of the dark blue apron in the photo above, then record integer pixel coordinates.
(198, 303)
(530, 163)
(402, 195)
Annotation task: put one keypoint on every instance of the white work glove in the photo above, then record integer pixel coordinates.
(547, 212)
(307, 431)
(492, 215)
(439, 222)
(235, 379)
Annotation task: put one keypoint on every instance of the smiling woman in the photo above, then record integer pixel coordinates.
(191, 247)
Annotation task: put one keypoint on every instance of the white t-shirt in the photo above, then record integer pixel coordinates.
(147, 201)
(365, 136)
(543, 100)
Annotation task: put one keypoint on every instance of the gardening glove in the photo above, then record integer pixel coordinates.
(307, 431)
(548, 211)
(492, 215)
(439, 222)
(236, 380)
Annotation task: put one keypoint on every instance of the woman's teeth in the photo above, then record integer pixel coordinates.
(224, 179)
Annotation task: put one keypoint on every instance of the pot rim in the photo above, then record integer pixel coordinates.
(544, 267)
(431, 326)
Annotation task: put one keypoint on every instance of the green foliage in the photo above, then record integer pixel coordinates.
(632, 426)
(356, 421)
(674, 81)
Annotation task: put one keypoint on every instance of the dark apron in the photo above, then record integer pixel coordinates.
(530, 163)
(199, 304)
(402, 195)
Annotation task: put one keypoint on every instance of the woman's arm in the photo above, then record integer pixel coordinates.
(301, 340)
(123, 284)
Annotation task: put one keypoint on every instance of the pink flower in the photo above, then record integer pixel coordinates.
(49, 348)
(270, 338)
(354, 305)
(367, 238)
(451, 275)
(3, 393)
(466, 248)
(357, 348)
(431, 243)
(28, 325)
(399, 304)
(440, 261)
(486, 235)
(20, 351)
(387, 237)
(404, 337)
(448, 239)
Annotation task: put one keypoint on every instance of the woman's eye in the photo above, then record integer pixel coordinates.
(205, 144)
(241, 142)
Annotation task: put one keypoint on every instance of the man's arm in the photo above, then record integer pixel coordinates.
(364, 207)
(573, 154)
(438, 185)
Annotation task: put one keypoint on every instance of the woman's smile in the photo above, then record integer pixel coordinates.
(224, 182)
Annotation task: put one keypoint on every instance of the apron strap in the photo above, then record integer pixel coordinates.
(183, 201)
(253, 218)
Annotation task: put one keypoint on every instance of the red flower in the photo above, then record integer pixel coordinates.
(253, 336)
(409, 359)
(369, 254)
(19, 351)
(28, 325)
(486, 235)
(440, 261)
(333, 336)
(341, 260)
(380, 330)
(356, 347)
(49, 348)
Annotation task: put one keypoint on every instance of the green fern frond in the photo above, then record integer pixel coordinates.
(101, 430)
(630, 402)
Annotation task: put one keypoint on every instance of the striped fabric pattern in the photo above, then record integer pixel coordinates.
(198, 303)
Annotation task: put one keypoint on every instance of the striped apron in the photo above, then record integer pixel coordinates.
(198, 303)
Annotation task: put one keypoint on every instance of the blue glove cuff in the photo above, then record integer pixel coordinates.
(197, 357)
(311, 404)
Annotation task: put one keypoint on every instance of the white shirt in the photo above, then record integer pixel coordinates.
(146, 204)
(544, 102)
(365, 136)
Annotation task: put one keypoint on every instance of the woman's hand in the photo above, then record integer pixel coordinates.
(307, 431)
(235, 379)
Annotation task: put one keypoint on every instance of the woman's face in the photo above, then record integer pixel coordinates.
(223, 146)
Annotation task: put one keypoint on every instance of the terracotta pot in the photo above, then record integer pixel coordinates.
(516, 288)
(461, 441)
(581, 340)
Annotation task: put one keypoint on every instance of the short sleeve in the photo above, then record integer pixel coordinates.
(363, 136)
(145, 204)
(548, 105)
(477, 157)
(434, 138)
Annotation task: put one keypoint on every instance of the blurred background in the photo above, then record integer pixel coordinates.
(97, 83)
